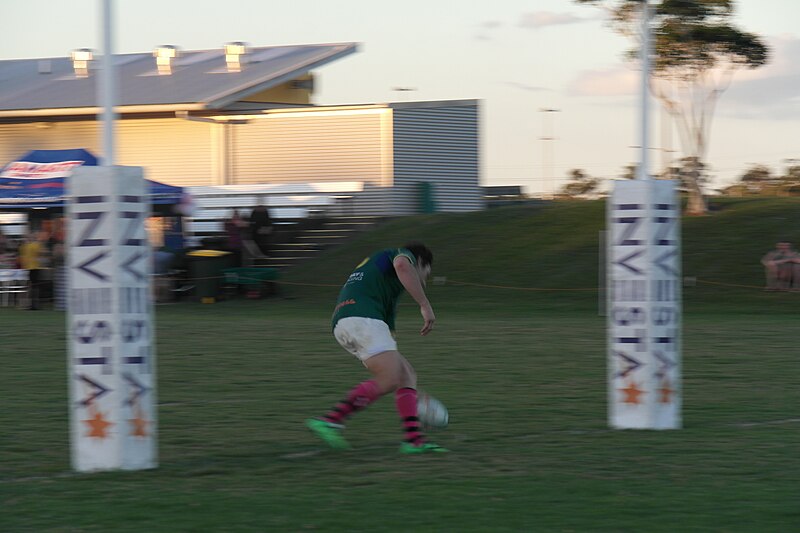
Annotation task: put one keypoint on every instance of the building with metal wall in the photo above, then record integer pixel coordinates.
(197, 120)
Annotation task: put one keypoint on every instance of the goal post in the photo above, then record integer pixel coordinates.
(111, 360)
(644, 305)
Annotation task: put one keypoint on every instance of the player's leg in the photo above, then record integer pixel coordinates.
(329, 427)
(389, 372)
(368, 339)
(393, 372)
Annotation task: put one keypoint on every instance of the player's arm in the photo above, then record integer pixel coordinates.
(409, 277)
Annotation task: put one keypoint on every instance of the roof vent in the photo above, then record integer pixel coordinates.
(235, 56)
(45, 66)
(80, 62)
(164, 55)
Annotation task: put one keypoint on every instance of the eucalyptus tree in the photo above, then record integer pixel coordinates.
(696, 52)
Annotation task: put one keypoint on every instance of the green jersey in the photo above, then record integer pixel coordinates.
(373, 289)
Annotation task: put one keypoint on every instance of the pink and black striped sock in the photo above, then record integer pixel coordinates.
(357, 399)
(406, 401)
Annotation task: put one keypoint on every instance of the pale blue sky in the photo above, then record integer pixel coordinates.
(518, 56)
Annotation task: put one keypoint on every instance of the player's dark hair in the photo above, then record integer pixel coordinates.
(421, 252)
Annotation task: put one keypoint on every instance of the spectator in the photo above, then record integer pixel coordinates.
(8, 259)
(163, 261)
(58, 270)
(30, 257)
(261, 228)
(782, 268)
(234, 228)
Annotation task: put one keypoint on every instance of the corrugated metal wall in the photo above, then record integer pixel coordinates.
(437, 143)
(323, 146)
(173, 151)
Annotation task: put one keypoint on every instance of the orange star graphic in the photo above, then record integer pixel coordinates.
(666, 392)
(139, 424)
(632, 393)
(98, 426)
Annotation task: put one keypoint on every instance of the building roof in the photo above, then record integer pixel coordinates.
(199, 79)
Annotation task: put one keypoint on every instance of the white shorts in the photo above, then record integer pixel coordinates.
(364, 337)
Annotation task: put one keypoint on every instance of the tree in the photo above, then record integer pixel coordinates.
(580, 184)
(629, 171)
(790, 181)
(691, 172)
(759, 179)
(697, 50)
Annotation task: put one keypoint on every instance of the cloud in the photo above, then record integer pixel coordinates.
(542, 19)
(771, 91)
(491, 24)
(533, 20)
(486, 28)
(526, 87)
(613, 81)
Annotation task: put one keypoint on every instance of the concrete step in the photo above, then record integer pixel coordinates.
(325, 238)
(293, 246)
(327, 231)
(296, 252)
(353, 223)
(309, 242)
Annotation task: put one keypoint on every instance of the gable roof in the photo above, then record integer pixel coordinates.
(199, 79)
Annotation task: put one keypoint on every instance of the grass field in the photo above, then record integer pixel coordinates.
(522, 372)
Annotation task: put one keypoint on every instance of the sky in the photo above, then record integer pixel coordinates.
(519, 57)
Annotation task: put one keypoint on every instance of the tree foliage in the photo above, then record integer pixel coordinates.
(696, 51)
(758, 179)
(580, 184)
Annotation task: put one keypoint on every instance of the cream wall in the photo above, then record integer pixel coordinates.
(313, 146)
(173, 151)
(285, 147)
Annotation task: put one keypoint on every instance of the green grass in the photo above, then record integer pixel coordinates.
(522, 372)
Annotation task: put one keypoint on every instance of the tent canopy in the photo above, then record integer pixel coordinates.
(36, 180)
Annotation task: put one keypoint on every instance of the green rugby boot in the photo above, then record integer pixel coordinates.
(425, 447)
(329, 432)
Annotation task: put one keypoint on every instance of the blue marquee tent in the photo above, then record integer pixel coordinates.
(36, 180)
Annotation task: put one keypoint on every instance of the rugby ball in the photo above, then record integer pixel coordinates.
(431, 412)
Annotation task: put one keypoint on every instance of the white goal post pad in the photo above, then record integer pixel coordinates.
(644, 305)
(111, 360)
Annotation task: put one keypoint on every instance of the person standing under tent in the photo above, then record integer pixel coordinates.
(234, 227)
(8, 259)
(363, 323)
(261, 228)
(30, 258)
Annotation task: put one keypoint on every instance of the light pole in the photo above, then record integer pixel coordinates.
(547, 138)
(107, 84)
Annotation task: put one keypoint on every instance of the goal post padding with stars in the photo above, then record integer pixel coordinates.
(644, 305)
(110, 320)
